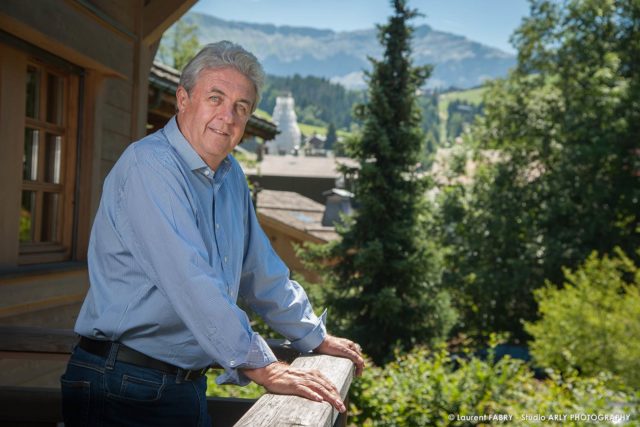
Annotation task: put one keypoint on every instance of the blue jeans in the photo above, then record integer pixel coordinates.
(99, 391)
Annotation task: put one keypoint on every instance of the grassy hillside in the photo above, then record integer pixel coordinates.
(472, 96)
(262, 114)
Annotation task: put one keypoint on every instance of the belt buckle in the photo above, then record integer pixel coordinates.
(193, 374)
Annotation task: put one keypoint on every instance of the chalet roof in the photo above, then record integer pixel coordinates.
(316, 138)
(166, 79)
(295, 212)
(301, 166)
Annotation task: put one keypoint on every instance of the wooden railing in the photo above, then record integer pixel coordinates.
(41, 406)
(276, 410)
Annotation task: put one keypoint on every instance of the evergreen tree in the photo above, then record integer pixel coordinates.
(180, 44)
(384, 289)
(332, 137)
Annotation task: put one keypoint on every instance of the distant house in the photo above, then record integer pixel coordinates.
(314, 145)
(289, 219)
(309, 176)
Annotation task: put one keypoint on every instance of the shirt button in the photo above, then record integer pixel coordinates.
(225, 259)
(217, 225)
(232, 363)
(206, 172)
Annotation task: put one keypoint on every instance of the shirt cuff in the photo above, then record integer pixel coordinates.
(314, 338)
(259, 355)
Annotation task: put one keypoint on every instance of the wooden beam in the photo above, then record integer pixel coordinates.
(159, 15)
(23, 341)
(287, 411)
(293, 232)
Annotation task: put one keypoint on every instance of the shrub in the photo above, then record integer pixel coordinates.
(592, 323)
(424, 388)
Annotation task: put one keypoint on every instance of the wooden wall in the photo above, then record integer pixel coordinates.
(112, 43)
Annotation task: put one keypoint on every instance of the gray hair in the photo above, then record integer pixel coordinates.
(224, 54)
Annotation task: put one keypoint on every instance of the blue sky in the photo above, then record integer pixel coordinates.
(487, 21)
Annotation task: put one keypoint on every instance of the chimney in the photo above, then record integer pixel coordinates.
(338, 202)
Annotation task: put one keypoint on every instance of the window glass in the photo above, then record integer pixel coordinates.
(50, 220)
(33, 92)
(53, 158)
(55, 86)
(30, 157)
(27, 216)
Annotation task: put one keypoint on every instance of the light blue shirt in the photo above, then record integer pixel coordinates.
(173, 246)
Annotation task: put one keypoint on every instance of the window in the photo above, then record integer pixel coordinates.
(48, 164)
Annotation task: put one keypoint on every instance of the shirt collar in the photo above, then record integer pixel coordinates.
(188, 154)
(182, 146)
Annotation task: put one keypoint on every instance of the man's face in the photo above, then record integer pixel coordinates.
(213, 117)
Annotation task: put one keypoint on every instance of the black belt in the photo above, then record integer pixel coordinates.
(129, 355)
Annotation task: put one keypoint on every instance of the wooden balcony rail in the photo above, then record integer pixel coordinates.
(41, 406)
(286, 411)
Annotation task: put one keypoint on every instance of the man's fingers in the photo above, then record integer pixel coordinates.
(311, 384)
(353, 352)
(328, 395)
(321, 394)
(329, 385)
(343, 347)
(322, 385)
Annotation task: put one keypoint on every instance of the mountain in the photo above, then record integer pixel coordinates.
(342, 56)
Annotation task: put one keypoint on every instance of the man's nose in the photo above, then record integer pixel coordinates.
(227, 113)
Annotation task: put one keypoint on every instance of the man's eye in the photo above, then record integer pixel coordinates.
(215, 98)
(242, 110)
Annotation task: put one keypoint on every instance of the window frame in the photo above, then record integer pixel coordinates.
(60, 246)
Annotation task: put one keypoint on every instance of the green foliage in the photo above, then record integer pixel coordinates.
(592, 323)
(563, 180)
(384, 290)
(424, 388)
(430, 125)
(470, 97)
(25, 226)
(460, 115)
(318, 101)
(250, 391)
(247, 160)
(332, 137)
(180, 44)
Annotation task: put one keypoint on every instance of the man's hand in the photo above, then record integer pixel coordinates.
(342, 347)
(281, 378)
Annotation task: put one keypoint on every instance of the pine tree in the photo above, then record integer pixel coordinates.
(384, 288)
(332, 137)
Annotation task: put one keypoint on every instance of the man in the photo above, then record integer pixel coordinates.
(174, 244)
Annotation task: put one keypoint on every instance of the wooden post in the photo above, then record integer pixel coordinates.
(282, 411)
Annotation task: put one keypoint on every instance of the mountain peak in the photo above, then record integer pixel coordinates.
(342, 56)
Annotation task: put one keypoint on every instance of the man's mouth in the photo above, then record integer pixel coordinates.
(219, 132)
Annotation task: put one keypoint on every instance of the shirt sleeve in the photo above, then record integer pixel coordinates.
(157, 220)
(266, 288)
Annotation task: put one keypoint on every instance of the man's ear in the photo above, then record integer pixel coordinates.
(182, 97)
